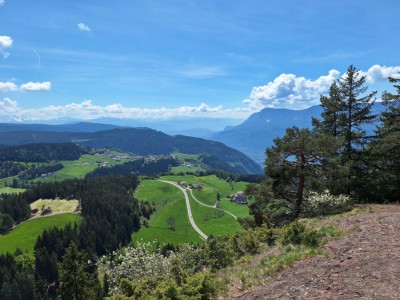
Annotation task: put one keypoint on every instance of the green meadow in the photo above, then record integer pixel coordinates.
(170, 202)
(239, 210)
(5, 181)
(191, 161)
(79, 168)
(213, 221)
(24, 235)
(9, 190)
(212, 185)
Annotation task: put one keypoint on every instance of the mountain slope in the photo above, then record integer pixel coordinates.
(254, 135)
(142, 141)
(73, 127)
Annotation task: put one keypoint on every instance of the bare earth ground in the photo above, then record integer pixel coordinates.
(363, 264)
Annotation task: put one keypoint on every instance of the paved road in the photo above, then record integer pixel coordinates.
(189, 211)
(212, 206)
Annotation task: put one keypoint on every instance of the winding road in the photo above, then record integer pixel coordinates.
(195, 227)
(211, 206)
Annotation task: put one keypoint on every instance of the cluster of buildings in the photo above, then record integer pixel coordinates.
(238, 198)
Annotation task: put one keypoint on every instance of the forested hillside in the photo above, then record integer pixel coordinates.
(141, 141)
(42, 152)
(141, 166)
(110, 215)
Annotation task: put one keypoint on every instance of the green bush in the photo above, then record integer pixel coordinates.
(220, 252)
(200, 286)
(266, 235)
(297, 234)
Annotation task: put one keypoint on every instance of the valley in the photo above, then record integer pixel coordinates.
(168, 224)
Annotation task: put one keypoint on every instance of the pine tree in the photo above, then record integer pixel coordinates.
(386, 149)
(347, 110)
(357, 112)
(295, 164)
(332, 122)
(75, 281)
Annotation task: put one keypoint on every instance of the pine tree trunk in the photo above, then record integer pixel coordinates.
(300, 188)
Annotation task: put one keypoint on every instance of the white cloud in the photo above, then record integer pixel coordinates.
(2, 2)
(8, 110)
(288, 90)
(7, 103)
(201, 71)
(86, 110)
(5, 42)
(377, 73)
(8, 86)
(36, 86)
(83, 27)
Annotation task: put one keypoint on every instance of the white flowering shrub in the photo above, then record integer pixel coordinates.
(190, 259)
(135, 264)
(321, 204)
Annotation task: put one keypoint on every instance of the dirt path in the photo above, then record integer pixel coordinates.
(189, 211)
(363, 264)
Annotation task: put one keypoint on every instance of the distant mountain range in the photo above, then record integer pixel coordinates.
(255, 134)
(197, 127)
(251, 137)
(73, 127)
(142, 141)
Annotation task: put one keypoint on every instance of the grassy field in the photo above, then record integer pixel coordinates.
(9, 190)
(79, 168)
(191, 163)
(57, 206)
(213, 185)
(184, 169)
(212, 221)
(8, 180)
(170, 202)
(24, 236)
(240, 211)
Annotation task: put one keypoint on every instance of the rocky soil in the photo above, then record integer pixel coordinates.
(364, 263)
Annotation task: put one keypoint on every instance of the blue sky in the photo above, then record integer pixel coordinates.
(167, 59)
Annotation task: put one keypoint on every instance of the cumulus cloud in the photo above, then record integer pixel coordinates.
(288, 90)
(36, 86)
(83, 27)
(5, 42)
(8, 110)
(8, 86)
(2, 2)
(291, 91)
(377, 73)
(86, 110)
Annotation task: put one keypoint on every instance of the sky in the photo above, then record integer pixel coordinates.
(163, 59)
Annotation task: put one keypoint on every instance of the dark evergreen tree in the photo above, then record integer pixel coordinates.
(385, 151)
(76, 282)
(347, 111)
(332, 122)
(295, 163)
(357, 105)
